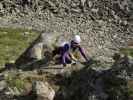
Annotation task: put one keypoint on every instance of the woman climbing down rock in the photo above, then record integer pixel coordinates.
(68, 52)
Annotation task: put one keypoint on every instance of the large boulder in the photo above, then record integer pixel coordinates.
(41, 48)
(3, 85)
(43, 91)
(36, 51)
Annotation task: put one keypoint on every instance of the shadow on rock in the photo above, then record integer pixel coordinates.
(35, 64)
(8, 66)
(89, 84)
(30, 96)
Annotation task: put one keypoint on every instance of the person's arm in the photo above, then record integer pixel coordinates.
(72, 57)
(82, 51)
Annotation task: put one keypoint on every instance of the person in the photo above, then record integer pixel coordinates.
(68, 51)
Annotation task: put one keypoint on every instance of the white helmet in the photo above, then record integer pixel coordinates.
(77, 39)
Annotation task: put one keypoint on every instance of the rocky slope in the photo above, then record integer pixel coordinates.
(78, 82)
(104, 25)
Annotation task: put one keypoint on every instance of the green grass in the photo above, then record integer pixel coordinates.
(17, 82)
(130, 88)
(127, 51)
(14, 81)
(13, 43)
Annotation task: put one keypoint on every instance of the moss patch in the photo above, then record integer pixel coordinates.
(127, 51)
(13, 42)
(15, 81)
(130, 88)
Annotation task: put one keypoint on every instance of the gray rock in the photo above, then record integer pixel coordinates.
(12, 91)
(36, 51)
(49, 39)
(43, 90)
(3, 85)
(1, 6)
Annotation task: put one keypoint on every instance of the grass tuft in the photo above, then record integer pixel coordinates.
(13, 42)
